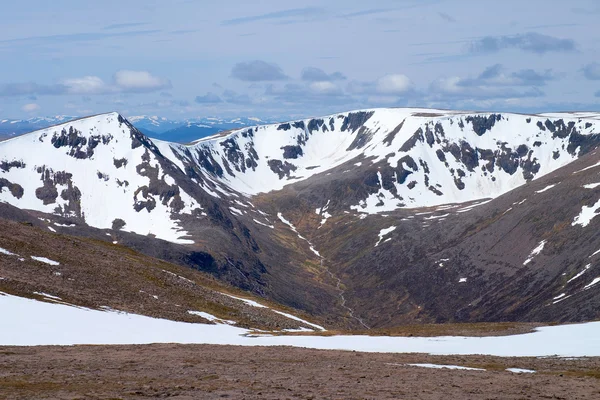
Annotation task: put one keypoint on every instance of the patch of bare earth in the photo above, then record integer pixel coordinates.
(211, 372)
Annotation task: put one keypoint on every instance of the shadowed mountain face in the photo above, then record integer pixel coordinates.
(368, 218)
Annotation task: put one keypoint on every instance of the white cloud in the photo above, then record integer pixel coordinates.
(86, 85)
(324, 87)
(139, 81)
(31, 107)
(394, 84)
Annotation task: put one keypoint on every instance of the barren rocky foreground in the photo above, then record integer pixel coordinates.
(211, 372)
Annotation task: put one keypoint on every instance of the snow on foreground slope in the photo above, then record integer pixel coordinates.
(27, 322)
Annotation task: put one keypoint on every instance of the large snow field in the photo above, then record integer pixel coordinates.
(27, 322)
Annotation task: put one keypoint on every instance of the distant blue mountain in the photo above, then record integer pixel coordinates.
(182, 131)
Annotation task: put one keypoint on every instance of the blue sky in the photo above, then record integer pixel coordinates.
(185, 58)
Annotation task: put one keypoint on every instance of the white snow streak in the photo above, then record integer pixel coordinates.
(535, 252)
(45, 260)
(383, 233)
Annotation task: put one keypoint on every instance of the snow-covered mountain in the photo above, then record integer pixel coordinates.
(421, 157)
(12, 127)
(333, 208)
(160, 125)
(104, 171)
(173, 130)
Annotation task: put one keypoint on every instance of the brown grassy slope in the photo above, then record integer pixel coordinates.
(94, 273)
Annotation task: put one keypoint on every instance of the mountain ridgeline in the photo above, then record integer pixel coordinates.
(372, 199)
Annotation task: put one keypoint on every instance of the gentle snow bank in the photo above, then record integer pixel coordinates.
(520, 371)
(29, 322)
(438, 366)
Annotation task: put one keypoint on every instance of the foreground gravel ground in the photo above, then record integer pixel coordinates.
(211, 372)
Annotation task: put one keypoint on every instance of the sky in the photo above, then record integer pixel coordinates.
(278, 59)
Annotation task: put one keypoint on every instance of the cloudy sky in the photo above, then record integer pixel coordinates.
(278, 58)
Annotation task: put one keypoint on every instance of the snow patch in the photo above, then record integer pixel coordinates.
(211, 317)
(45, 260)
(592, 283)
(547, 188)
(383, 233)
(6, 252)
(592, 185)
(586, 215)
(535, 252)
(47, 295)
(439, 366)
(520, 371)
(580, 273)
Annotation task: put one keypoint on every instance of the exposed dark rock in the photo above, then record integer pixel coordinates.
(411, 184)
(412, 142)
(363, 137)
(102, 176)
(299, 125)
(481, 123)
(440, 155)
(353, 121)
(530, 167)
(469, 156)
(522, 150)
(118, 224)
(72, 195)
(507, 160)
(202, 262)
(585, 143)
(315, 125)
(80, 146)
(429, 136)
(292, 152)
(528, 120)
(555, 155)
(248, 133)
(537, 143)
(550, 126)
(403, 173)
(541, 126)
(15, 189)
(282, 169)
(588, 125)
(459, 183)
(435, 190)
(6, 166)
(439, 130)
(284, 127)
(207, 163)
(390, 136)
(487, 155)
(120, 162)
(424, 166)
(47, 193)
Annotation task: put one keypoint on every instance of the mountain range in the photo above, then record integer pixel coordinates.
(181, 131)
(364, 219)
